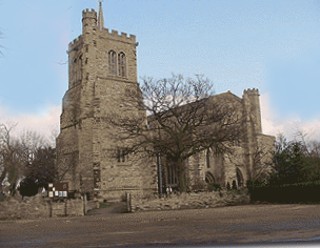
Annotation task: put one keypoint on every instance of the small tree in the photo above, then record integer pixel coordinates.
(42, 169)
(64, 164)
(313, 167)
(288, 162)
(296, 161)
(11, 158)
(17, 154)
(182, 120)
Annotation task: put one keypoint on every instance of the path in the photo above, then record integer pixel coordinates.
(253, 224)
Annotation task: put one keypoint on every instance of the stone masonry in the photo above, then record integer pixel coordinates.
(249, 160)
(102, 70)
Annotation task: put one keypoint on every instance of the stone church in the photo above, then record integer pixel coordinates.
(102, 68)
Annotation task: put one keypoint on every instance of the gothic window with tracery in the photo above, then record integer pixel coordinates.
(172, 177)
(122, 64)
(112, 56)
(240, 179)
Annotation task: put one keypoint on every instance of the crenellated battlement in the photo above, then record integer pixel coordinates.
(106, 33)
(75, 42)
(89, 12)
(252, 108)
(250, 91)
(89, 21)
(115, 35)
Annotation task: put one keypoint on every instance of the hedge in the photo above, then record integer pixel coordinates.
(308, 192)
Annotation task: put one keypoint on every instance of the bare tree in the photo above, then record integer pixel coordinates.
(314, 147)
(183, 119)
(10, 157)
(42, 169)
(66, 162)
(263, 164)
(16, 154)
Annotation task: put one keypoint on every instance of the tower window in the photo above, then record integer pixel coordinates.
(122, 64)
(112, 56)
(76, 70)
(122, 155)
(208, 154)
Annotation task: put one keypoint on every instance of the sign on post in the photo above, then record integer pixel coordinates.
(58, 190)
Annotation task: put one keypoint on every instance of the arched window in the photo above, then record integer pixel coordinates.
(79, 69)
(208, 154)
(172, 176)
(239, 177)
(122, 155)
(112, 56)
(209, 178)
(122, 64)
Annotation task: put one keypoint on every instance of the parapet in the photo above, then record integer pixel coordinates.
(89, 13)
(115, 35)
(74, 43)
(251, 92)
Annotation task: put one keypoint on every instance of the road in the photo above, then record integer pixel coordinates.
(246, 225)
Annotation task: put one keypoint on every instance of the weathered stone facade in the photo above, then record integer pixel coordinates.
(102, 70)
(250, 159)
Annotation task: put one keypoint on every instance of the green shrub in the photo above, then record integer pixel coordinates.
(307, 192)
(214, 187)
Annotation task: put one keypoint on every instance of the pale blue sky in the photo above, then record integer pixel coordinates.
(273, 45)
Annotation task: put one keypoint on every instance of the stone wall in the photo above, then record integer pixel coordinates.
(29, 208)
(187, 200)
(39, 207)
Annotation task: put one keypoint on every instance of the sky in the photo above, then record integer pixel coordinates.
(267, 44)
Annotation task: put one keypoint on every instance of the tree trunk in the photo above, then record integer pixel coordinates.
(2, 177)
(182, 180)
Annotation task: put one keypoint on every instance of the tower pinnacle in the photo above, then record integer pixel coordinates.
(100, 16)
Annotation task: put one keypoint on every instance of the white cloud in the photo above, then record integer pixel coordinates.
(45, 123)
(274, 125)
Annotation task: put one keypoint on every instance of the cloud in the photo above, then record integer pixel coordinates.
(45, 123)
(273, 124)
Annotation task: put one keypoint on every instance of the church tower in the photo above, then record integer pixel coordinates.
(102, 68)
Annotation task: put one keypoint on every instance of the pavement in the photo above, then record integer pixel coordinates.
(235, 226)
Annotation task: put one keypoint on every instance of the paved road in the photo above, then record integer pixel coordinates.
(253, 224)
